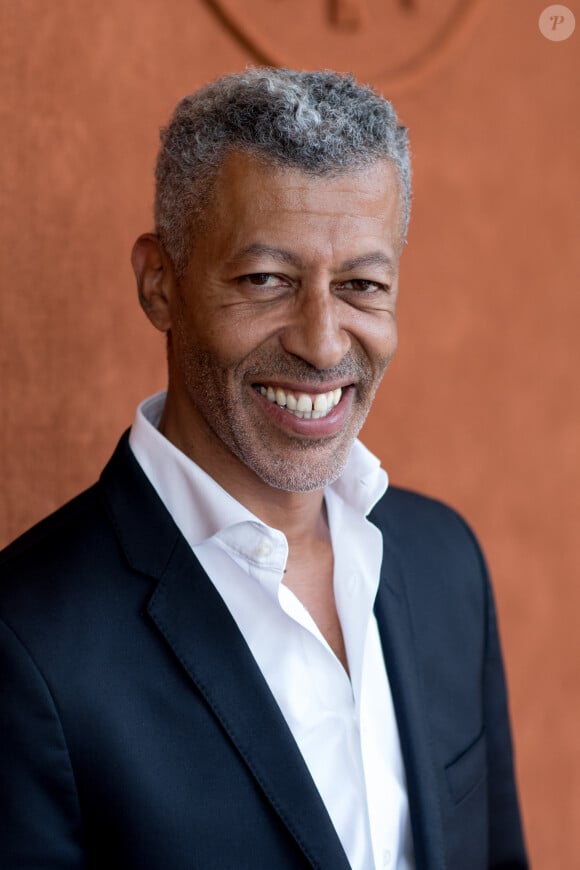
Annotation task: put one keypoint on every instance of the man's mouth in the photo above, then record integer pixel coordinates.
(306, 406)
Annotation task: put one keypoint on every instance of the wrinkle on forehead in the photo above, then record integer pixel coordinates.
(242, 171)
(256, 203)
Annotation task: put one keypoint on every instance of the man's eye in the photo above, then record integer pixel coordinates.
(361, 285)
(262, 279)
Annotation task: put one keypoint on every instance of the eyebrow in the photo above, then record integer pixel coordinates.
(373, 258)
(279, 254)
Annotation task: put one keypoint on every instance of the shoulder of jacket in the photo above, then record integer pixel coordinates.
(73, 521)
(425, 527)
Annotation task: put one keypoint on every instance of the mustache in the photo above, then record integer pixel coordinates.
(272, 365)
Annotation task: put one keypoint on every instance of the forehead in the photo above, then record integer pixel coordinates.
(252, 195)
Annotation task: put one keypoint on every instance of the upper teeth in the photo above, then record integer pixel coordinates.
(301, 404)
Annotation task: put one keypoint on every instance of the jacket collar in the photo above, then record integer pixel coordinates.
(394, 620)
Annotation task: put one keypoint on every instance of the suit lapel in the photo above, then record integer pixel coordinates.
(395, 627)
(193, 619)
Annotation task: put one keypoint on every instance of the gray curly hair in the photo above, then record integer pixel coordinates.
(322, 123)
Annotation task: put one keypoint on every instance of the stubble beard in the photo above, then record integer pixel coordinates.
(293, 464)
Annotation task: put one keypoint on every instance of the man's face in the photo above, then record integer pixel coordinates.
(284, 322)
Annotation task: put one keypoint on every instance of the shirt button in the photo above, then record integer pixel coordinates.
(386, 857)
(263, 550)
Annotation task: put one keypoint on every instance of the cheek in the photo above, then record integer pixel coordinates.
(392, 339)
(379, 342)
(199, 338)
(230, 335)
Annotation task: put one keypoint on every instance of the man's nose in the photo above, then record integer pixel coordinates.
(315, 332)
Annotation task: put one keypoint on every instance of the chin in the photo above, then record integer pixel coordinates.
(301, 473)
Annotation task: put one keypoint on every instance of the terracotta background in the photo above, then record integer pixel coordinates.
(481, 407)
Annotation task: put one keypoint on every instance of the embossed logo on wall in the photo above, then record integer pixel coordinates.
(375, 39)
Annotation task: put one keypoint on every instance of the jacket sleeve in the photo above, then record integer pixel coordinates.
(40, 821)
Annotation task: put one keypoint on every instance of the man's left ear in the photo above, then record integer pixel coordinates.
(155, 279)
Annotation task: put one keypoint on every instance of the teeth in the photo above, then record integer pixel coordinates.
(321, 402)
(303, 406)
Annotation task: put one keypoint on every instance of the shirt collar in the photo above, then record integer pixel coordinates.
(201, 507)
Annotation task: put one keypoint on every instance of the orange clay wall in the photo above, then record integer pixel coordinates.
(482, 405)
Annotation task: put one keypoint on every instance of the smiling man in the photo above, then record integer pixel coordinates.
(239, 648)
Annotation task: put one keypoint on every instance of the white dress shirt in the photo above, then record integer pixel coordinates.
(345, 728)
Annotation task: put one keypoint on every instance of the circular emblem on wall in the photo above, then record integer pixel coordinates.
(375, 39)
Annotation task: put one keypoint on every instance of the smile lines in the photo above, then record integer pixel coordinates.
(307, 407)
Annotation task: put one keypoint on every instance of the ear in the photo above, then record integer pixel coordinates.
(155, 279)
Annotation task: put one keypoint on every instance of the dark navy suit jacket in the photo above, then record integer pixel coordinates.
(136, 730)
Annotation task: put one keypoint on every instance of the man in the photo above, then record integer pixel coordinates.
(212, 658)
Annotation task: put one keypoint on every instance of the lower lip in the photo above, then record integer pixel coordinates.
(323, 427)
